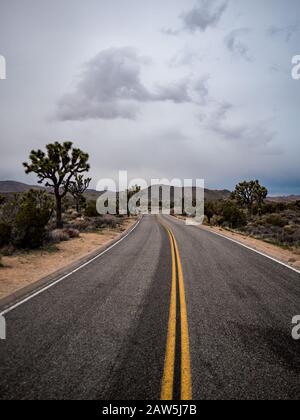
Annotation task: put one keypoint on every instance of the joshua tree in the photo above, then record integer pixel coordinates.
(77, 188)
(249, 193)
(58, 166)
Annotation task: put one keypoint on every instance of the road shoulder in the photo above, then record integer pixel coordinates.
(22, 276)
(286, 256)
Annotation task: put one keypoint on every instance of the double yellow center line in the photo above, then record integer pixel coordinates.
(178, 339)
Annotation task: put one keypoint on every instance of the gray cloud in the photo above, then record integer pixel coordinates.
(185, 91)
(205, 14)
(287, 32)
(141, 115)
(185, 57)
(110, 87)
(252, 135)
(236, 46)
(177, 92)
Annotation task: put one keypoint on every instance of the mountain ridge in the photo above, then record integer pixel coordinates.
(12, 187)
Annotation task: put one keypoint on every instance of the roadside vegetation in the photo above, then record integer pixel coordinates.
(248, 211)
(62, 208)
(60, 211)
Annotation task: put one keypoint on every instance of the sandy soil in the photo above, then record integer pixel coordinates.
(290, 257)
(22, 270)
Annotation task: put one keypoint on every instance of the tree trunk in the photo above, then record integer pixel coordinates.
(59, 222)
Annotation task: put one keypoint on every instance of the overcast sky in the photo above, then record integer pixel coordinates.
(172, 88)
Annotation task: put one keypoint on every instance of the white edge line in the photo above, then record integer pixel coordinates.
(21, 302)
(248, 247)
(254, 250)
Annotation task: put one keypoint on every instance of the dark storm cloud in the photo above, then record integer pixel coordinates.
(111, 87)
(236, 45)
(287, 32)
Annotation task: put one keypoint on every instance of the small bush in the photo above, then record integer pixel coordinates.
(5, 234)
(233, 216)
(8, 250)
(29, 227)
(296, 236)
(272, 208)
(72, 233)
(109, 221)
(91, 210)
(216, 220)
(58, 235)
(290, 229)
(276, 220)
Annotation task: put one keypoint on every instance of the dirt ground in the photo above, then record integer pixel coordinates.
(24, 269)
(290, 257)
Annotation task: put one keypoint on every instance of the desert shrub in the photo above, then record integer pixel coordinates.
(216, 220)
(276, 220)
(226, 213)
(72, 233)
(295, 205)
(9, 209)
(296, 237)
(66, 204)
(97, 223)
(290, 229)
(259, 222)
(8, 250)
(270, 208)
(5, 234)
(209, 210)
(206, 221)
(109, 221)
(233, 215)
(33, 214)
(58, 235)
(81, 225)
(91, 210)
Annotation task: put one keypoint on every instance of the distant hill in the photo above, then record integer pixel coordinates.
(10, 187)
(210, 195)
(287, 199)
(214, 195)
(16, 187)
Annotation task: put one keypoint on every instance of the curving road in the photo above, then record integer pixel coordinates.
(169, 312)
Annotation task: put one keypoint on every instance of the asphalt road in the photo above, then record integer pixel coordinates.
(171, 311)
